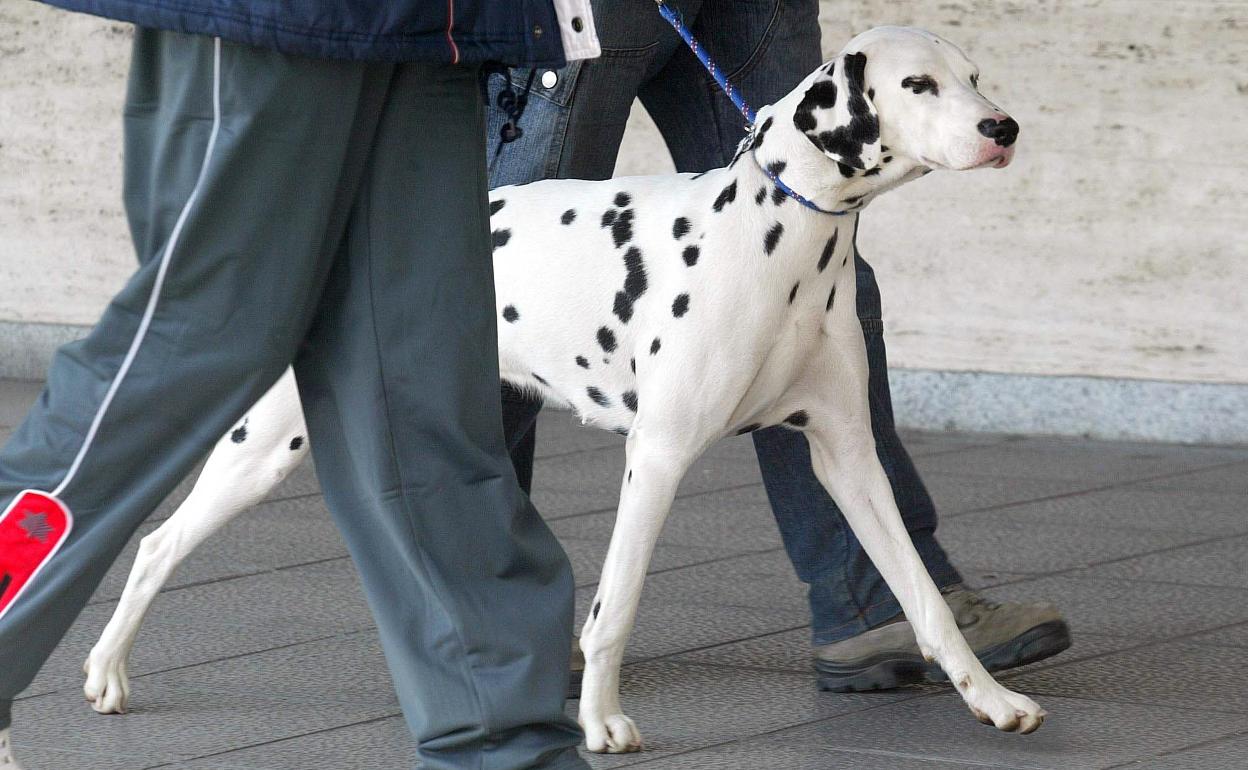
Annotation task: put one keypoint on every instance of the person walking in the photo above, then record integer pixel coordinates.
(306, 182)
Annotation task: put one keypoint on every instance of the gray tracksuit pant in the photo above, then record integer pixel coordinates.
(334, 214)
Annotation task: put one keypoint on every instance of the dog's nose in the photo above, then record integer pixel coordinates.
(1003, 132)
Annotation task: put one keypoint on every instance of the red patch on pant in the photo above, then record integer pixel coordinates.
(32, 529)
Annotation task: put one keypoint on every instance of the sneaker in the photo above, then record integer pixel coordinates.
(577, 664)
(1003, 636)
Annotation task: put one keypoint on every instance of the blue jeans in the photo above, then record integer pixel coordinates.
(572, 129)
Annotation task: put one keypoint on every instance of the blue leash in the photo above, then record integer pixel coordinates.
(731, 91)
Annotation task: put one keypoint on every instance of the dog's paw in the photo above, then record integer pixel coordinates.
(612, 734)
(1004, 709)
(7, 760)
(108, 685)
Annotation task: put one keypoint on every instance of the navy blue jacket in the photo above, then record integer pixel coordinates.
(507, 31)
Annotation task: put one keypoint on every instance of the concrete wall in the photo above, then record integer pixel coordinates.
(1111, 249)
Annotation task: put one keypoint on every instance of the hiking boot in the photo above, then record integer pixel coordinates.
(577, 664)
(1002, 635)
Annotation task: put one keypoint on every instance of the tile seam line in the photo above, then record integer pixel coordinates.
(277, 740)
(1199, 745)
(1078, 492)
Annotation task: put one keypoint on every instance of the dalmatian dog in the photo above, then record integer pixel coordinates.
(680, 309)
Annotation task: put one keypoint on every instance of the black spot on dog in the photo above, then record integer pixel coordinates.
(623, 307)
(608, 217)
(539, 378)
(760, 196)
(831, 299)
(749, 428)
(844, 141)
(726, 196)
(597, 396)
(582, 362)
(635, 284)
(887, 159)
(635, 281)
(798, 418)
(240, 433)
(296, 443)
(510, 314)
(680, 305)
(622, 228)
(497, 206)
(597, 606)
(690, 255)
(762, 131)
(873, 171)
(821, 95)
(606, 338)
(654, 346)
(828, 248)
(871, 93)
(846, 170)
(632, 365)
(778, 196)
(630, 474)
(921, 84)
(776, 168)
(772, 238)
(793, 292)
(630, 400)
(501, 237)
(623, 199)
(680, 228)
(568, 216)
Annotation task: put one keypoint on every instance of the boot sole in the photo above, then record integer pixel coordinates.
(888, 672)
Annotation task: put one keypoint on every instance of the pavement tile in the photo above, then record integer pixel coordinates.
(737, 520)
(1071, 460)
(380, 743)
(1231, 479)
(559, 432)
(178, 724)
(1078, 733)
(679, 707)
(1218, 563)
(273, 535)
(1231, 636)
(783, 751)
(587, 557)
(990, 541)
(1172, 674)
(1139, 508)
(226, 619)
(1226, 754)
(590, 481)
(16, 398)
(1134, 609)
(956, 493)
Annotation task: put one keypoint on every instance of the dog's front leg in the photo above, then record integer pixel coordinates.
(246, 463)
(843, 453)
(655, 467)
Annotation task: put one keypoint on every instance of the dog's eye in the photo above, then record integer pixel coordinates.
(921, 84)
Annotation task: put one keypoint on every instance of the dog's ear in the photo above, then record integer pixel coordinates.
(837, 114)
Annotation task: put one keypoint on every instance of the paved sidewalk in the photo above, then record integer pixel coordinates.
(256, 658)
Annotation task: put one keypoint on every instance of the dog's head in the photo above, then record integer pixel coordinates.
(898, 95)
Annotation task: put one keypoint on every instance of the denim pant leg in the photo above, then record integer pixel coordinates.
(847, 593)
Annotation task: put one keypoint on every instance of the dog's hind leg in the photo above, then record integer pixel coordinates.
(843, 453)
(244, 466)
(655, 467)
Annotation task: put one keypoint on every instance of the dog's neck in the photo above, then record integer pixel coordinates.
(813, 175)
